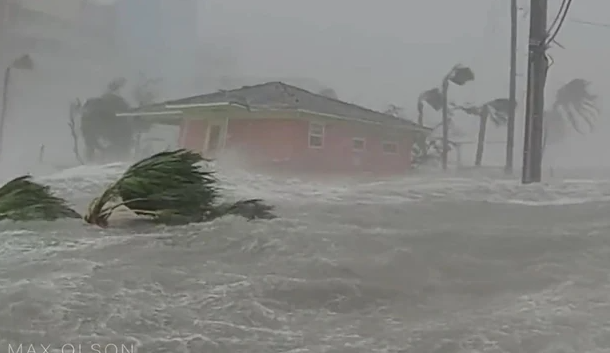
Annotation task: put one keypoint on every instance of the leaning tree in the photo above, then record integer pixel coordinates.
(496, 110)
(574, 106)
(438, 99)
(105, 135)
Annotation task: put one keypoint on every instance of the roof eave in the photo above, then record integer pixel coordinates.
(410, 126)
(204, 105)
(405, 124)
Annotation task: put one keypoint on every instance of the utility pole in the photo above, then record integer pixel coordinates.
(536, 77)
(512, 90)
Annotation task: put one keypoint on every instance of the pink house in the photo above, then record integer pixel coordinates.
(275, 126)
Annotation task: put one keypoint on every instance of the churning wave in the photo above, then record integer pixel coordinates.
(85, 180)
(419, 264)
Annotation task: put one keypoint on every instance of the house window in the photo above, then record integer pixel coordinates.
(316, 135)
(358, 144)
(389, 147)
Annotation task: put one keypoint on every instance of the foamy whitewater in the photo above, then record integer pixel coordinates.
(424, 264)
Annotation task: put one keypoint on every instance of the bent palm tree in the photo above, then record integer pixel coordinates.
(22, 199)
(102, 131)
(438, 100)
(105, 134)
(497, 111)
(432, 97)
(437, 97)
(171, 187)
(574, 105)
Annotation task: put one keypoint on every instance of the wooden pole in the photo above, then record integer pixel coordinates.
(512, 90)
(536, 77)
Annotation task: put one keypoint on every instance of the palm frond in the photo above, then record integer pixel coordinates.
(469, 109)
(171, 187)
(433, 97)
(496, 110)
(22, 199)
(499, 109)
(577, 105)
(460, 75)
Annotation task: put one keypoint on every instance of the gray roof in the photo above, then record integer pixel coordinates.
(278, 95)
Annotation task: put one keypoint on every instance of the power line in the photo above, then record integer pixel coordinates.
(561, 17)
(561, 10)
(557, 24)
(590, 23)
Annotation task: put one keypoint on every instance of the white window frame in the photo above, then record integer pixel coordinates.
(384, 143)
(363, 144)
(320, 135)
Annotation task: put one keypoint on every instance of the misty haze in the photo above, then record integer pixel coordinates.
(303, 176)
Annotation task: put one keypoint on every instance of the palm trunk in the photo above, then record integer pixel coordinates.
(72, 124)
(420, 112)
(445, 122)
(544, 141)
(481, 141)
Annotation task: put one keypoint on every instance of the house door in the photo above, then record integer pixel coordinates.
(214, 141)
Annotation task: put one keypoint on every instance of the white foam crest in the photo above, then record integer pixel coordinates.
(75, 182)
(251, 185)
(87, 171)
(83, 181)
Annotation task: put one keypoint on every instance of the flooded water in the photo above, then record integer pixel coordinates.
(422, 265)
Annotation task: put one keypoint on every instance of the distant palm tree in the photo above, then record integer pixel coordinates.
(497, 111)
(434, 98)
(438, 100)
(574, 106)
(105, 135)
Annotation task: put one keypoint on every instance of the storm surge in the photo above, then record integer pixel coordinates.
(417, 264)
